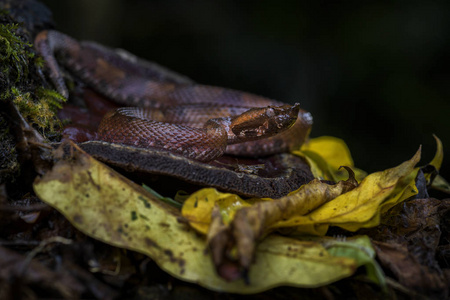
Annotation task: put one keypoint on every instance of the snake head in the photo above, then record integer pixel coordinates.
(258, 123)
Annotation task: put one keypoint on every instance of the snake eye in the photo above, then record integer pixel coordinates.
(270, 112)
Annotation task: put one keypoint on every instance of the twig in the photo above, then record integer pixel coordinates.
(35, 251)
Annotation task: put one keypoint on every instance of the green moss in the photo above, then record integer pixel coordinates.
(22, 83)
(41, 113)
(14, 53)
(19, 75)
(39, 62)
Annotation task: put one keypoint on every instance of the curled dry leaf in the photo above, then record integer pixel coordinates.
(409, 243)
(250, 224)
(105, 205)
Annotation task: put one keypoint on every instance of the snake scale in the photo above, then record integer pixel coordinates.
(169, 112)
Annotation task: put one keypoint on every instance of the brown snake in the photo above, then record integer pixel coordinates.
(171, 112)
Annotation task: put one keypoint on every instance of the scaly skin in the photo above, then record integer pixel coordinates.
(130, 81)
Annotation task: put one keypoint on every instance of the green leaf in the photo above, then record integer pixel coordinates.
(360, 249)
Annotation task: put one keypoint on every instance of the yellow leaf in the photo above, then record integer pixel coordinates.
(359, 208)
(105, 205)
(362, 206)
(325, 155)
(332, 149)
(439, 156)
(440, 184)
(308, 263)
(198, 207)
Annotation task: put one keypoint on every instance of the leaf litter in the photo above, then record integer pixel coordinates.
(234, 244)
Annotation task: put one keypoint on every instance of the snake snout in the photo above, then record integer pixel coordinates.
(286, 117)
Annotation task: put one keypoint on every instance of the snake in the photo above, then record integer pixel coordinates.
(167, 111)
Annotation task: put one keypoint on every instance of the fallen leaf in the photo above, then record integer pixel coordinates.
(407, 243)
(307, 261)
(198, 207)
(105, 205)
(310, 210)
(440, 184)
(410, 272)
(326, 155)
(437, 181)
(362, 206)
(439, 156)
(361, 250)
(251, 223)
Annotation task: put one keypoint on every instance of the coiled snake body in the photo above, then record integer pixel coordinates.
(169, 111)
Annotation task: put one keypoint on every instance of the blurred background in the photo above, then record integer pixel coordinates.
(375, 74)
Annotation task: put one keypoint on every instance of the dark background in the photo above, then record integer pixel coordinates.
(375, 74)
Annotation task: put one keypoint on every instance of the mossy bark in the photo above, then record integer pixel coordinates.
(23, 87)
